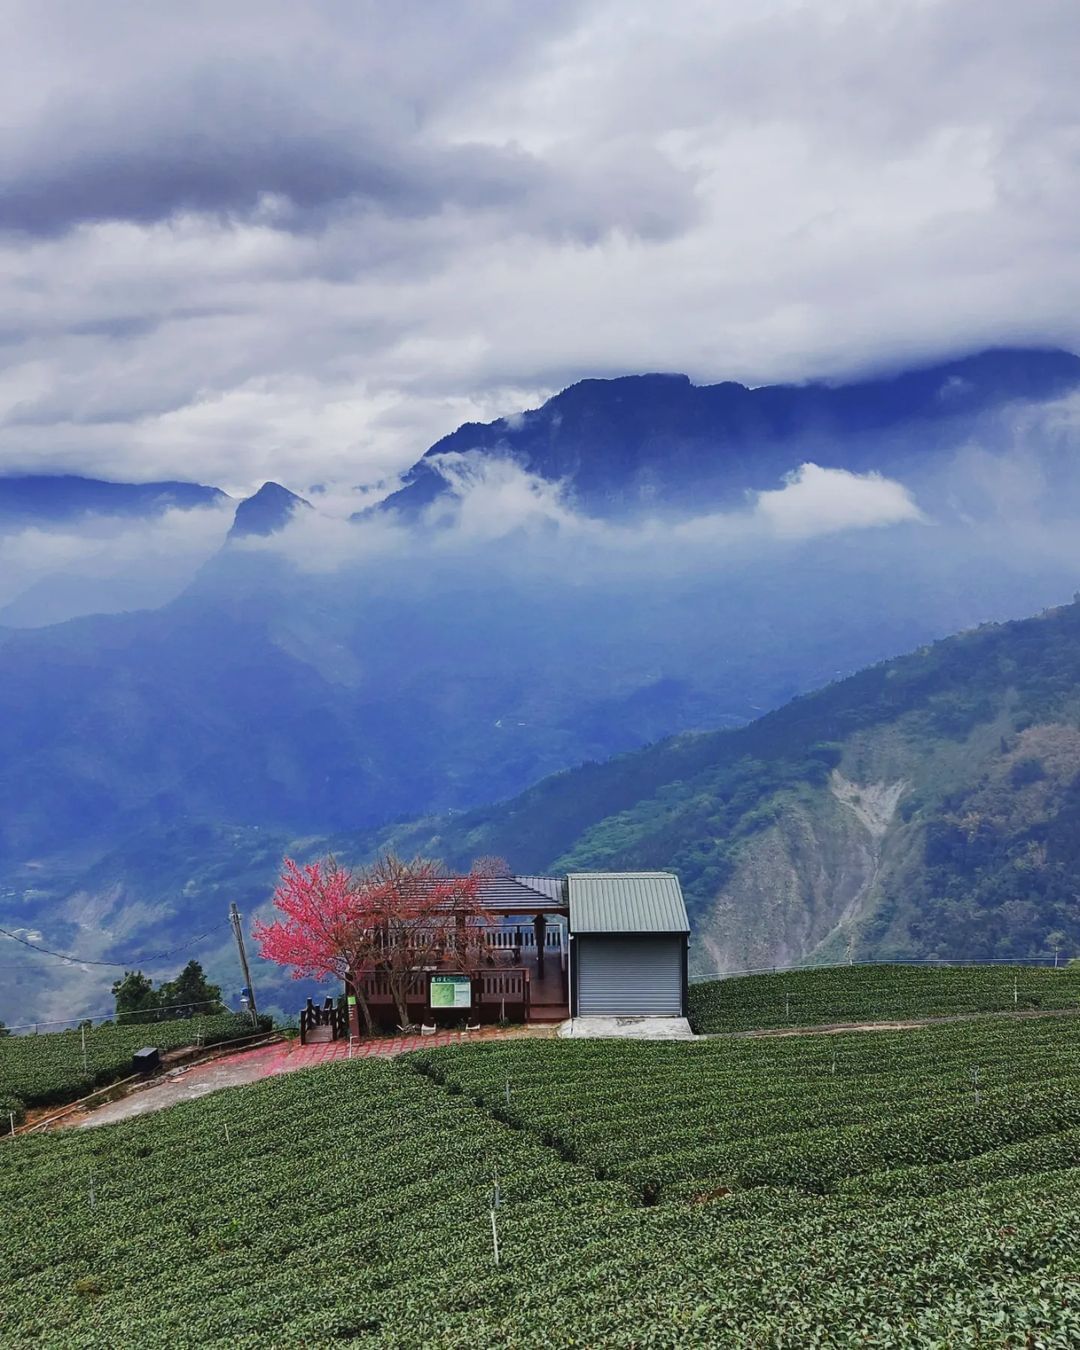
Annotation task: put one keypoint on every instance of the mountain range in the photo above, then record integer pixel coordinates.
(636, 560)
(48, 499)
(658, 442)
(927, 807)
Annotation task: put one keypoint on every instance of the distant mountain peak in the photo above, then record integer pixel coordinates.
(658, 441)
(51, 498)
(266, 511)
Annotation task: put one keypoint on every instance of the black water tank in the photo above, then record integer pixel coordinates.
(146, 1060)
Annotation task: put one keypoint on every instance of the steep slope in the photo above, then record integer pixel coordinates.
(388, 686)
(266, 511)
(406, 671)
(927, 807)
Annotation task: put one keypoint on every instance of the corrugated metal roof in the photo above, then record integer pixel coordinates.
(626, 902)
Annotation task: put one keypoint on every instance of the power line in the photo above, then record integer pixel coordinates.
(113, 1016)
(119, 965)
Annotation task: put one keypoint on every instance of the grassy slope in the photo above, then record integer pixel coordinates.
(351, 1203)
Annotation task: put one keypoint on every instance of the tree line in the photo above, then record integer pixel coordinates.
(189, 995)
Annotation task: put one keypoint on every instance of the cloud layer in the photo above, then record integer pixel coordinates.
(816, 501)
(301, 242)
(103, 564)
(492, 499)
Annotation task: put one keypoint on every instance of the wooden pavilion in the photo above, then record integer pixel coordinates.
(520, 972)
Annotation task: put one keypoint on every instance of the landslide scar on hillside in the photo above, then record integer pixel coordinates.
(874, 804)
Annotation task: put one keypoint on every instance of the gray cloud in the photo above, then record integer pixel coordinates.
(301, 242)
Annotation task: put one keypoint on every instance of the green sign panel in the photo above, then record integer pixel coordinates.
(451, 991)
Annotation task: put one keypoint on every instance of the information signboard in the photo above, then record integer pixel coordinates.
(451, 991)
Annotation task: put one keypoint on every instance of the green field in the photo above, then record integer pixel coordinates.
(917, 1188)
(50, 1069)
(819, 997)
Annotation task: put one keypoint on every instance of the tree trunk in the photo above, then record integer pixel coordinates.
(354, 988)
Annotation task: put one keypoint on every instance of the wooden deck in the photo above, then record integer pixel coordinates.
(508, 980)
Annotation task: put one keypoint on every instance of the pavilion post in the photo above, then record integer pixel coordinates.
(540, 930)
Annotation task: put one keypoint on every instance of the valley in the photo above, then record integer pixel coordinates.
(627, 674)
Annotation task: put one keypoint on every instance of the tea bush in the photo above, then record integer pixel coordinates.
(820, 997)
(825, 1191)
(48, 1069)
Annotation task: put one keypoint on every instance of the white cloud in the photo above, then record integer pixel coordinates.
(494, 498)
(817, 501)
(491, 497)
(104, 563)
(328, 234)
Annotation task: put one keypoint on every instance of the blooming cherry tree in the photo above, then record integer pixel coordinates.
(392, 919)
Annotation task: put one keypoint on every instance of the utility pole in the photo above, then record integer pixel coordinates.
(234, 919)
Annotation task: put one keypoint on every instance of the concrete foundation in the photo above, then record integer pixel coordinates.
(634, 1028)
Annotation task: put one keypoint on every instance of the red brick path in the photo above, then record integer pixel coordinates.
(288, 1055)
(247, 1066)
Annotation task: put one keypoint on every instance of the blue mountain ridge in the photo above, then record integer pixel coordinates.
(661, 441)
(45, 498)
(291, 700)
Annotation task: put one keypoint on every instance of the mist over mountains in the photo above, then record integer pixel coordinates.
(660, 443)
(636, 559)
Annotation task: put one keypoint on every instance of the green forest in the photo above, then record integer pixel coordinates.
(979, 738)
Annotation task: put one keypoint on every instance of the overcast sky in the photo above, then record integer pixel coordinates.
(301, 241)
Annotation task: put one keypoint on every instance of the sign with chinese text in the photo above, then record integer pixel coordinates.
(451, 991)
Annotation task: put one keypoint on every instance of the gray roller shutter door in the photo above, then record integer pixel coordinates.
(629, 977)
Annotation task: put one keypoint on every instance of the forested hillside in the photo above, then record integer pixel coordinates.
(928, 806)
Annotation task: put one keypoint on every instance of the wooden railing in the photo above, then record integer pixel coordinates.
(377, 990)
(497, 985)
(329, 1015)
(509, 939)
(489, 986)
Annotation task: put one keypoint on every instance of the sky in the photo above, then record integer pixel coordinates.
(301, 242)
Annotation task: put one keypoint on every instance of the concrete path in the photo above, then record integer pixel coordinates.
(633, 1028)
(248, 1066)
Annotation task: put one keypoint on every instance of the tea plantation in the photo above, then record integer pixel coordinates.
(818, 997)
(917, 1188)
(50, 1069)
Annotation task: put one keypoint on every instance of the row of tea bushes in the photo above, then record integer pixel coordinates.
(352, 1204)
(800, 1111)
(874, 993)
(50, 1069)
